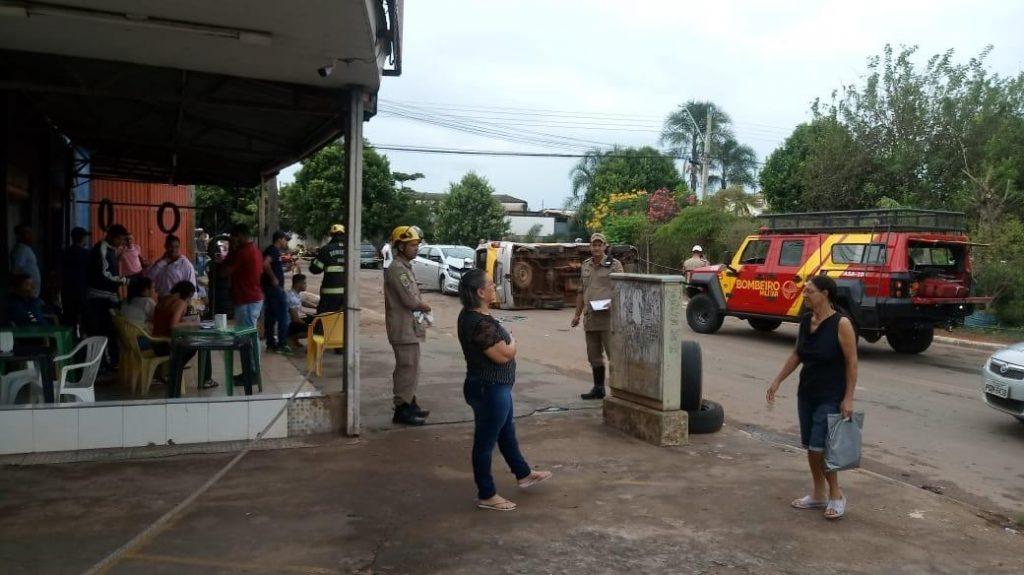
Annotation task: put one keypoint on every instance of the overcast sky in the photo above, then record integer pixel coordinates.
(763, 63)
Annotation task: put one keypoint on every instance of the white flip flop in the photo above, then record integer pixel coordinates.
(534, 478)
(838, 507)
(806, 502)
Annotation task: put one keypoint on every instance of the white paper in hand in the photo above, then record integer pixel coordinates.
(601, 304)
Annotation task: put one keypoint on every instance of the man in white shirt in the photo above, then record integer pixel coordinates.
(299, 312)
(385, 252)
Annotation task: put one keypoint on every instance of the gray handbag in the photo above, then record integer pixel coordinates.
(842, 449)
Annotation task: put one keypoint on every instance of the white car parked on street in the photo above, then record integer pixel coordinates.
(441, 267)
(1003, 377)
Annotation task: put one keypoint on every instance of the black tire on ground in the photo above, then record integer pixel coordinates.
(910, 340)
(708, 419)
(764, 324)
(691, 377)
(703, 315)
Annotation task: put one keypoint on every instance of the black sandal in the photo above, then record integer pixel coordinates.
(209, 384)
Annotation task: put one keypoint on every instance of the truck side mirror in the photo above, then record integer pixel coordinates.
(728, 261)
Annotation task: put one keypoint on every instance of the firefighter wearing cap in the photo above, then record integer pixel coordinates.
(406, 328)
(696, 260)
(330, 261)
(596, 282)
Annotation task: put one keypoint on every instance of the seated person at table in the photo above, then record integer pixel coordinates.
(170, 313)
(300, 319)
(140, 305)
(24, 308)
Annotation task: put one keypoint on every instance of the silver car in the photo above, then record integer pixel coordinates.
(1003, 377)
(441, 267)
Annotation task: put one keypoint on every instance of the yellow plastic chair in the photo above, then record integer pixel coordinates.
(147, 361)
(129, 366)
(330, 335)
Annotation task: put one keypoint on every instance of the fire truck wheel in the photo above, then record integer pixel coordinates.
(691, 376)
(703, 315)
(708, 419)
(764, 324)
(910, 340)
(522, 275)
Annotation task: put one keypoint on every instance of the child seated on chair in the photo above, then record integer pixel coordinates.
(140, 305)
(300, 319)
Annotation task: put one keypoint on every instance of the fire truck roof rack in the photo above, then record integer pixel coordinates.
(895, 220)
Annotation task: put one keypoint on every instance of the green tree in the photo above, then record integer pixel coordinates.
(582, 176)
(683, 128)
(316, 199)
(781, 177)
(704, 225)
(469, 212)
(734, 200)
(736, 164)
(627, 170)
(217, 208)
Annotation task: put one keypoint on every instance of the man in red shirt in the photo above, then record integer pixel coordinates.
(245, 265)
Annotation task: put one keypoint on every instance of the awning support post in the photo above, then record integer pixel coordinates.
(354, 189)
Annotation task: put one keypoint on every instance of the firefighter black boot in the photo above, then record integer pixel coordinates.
(405, 415)
(598, 390)
(419, 411)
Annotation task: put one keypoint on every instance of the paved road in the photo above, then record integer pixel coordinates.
(925, 422)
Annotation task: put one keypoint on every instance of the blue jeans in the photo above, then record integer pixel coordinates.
(493, 423)
(275, 317)
(247, 315)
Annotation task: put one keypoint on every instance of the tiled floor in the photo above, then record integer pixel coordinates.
(278, 373)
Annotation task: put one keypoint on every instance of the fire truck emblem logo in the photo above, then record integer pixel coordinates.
(789, 290)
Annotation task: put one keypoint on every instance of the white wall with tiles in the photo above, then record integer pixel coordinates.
(67, 427)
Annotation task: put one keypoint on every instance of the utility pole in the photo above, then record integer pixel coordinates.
(706, 161)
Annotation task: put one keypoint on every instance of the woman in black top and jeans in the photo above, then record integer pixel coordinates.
(827, 348)
(490, 355)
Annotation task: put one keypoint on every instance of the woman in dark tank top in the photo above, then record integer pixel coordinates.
(490, 354)
(826, 346)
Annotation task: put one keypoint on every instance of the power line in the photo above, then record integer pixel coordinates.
(515, 154)
(519, 112)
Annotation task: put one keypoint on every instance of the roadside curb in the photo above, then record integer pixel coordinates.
(968, 343)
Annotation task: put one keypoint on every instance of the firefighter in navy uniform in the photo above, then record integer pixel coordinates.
(330, 261)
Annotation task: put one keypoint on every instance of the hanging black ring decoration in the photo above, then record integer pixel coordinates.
(175, 211)
(105, 214)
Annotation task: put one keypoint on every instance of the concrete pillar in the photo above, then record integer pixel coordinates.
(269, 210)
(354, 234)
(646, 363)
(6, 127)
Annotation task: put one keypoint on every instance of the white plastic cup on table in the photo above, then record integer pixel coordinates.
(220, 321)
(6, 341)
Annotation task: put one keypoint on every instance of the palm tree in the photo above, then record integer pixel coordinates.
(737, 163)
(582, 174)
(683, 129)
(734, 200)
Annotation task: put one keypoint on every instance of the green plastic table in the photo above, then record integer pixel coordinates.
(63, 338)
(197, 334)
(61, 335)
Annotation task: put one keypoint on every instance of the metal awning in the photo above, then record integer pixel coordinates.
(193, 91)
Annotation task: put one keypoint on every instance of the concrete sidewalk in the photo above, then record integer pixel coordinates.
(402, 502)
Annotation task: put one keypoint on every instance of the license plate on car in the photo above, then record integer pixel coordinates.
(997, 389)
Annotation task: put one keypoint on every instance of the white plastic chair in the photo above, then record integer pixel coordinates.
(84, 387)
(11, 384)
